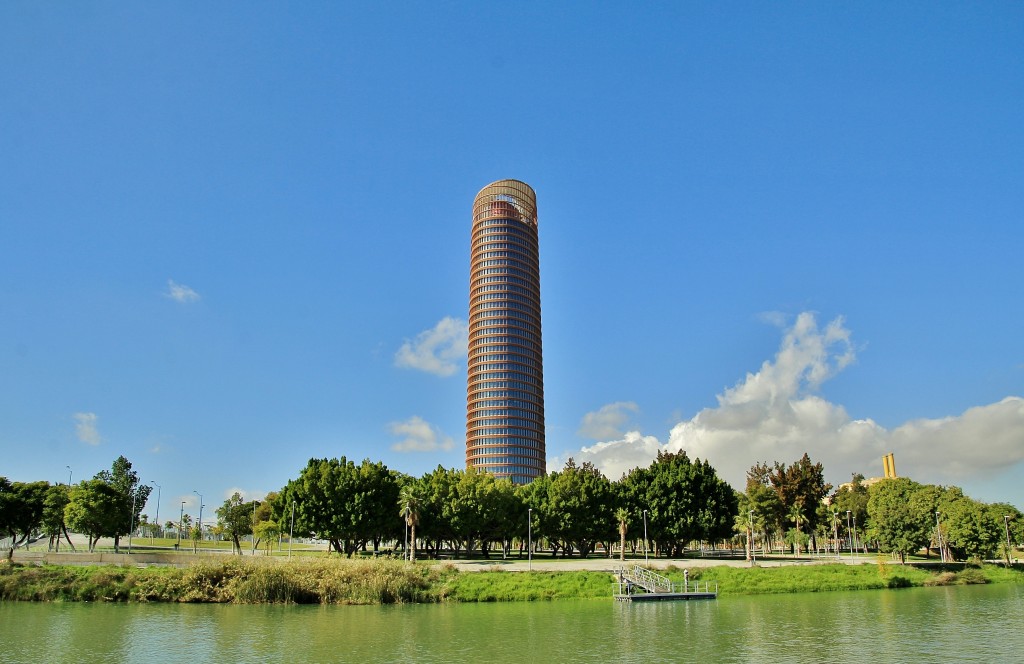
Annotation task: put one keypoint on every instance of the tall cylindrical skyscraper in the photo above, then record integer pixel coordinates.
(505, 396)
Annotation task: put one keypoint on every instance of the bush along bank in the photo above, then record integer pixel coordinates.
(384, 581)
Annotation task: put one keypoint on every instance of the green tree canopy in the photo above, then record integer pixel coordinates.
(899, 516)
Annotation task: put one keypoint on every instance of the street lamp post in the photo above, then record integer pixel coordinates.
(855, 538)
(406, 545)
(131, 519)
(69, 474)
(938, 538)
(291, 532)
(849, 533)
(1006, 522)
(835, 530)
(157, 509)
(181, 517)
(200, 514)
(645, 537)
(750, 540)
(529, 537)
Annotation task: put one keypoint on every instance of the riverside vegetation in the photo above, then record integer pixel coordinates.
(384, 581)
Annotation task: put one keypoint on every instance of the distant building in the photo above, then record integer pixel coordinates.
(505, 391)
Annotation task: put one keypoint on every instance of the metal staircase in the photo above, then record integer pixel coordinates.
(645, 579)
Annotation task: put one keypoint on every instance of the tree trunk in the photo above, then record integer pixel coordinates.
(412, 542)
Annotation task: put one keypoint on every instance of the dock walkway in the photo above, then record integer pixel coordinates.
(642, 585)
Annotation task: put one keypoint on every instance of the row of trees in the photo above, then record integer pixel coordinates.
(107, 505)
(791, 505)
(463, 511)
(671, 504)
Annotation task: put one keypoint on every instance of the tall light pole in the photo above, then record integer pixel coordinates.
(849, 533)
(750, 540)
(529, 537)
(291, 532)
(645, 537)
(69, 474)
(131, 519)
(1006, 522)
(181, 517)
(835, 529)
(157, 509)
(856, 539)
(938, 538)
(406, 545)
(200, 514)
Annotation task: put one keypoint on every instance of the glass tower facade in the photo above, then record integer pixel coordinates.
(505, 395)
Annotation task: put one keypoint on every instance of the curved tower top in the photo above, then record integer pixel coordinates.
(505, 389)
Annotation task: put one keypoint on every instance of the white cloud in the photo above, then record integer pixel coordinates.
(607, 421)
(436, 350)
(418, 436)
(85, 428)
(776, 415)
(180, 292)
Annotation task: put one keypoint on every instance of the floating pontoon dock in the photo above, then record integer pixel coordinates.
(642, 585)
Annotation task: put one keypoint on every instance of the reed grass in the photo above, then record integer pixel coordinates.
(389, 581)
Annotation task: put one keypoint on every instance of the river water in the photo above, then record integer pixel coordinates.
(963, 624)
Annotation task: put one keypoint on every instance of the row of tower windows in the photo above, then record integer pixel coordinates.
(520, 339)
(501, 471)
(503, 370)
(515, 384)
(506, 262)
(481, 354)
(505, 269)
(532, 413)
(513, 404)
(499, 394)
(503, 297)
(521, 336)
(504, 366)
(503, 460)
(504, 357)
(480, 377)
(502, 232)
(501, 279)
(517, 255)
(493, 221)
(509, 326)
(519, 455)
(511, 421)
(532, 447)
(505, 313)
(511, 246)
(533, 294)
(505, 306)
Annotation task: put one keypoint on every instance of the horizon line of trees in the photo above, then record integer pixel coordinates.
(666, 507)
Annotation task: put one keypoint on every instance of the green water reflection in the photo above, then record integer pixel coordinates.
(980, 624)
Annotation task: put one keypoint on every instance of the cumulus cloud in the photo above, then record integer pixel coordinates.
(607, 421)
(776, 414)
(418, 435)
(436, 350)
(180, 292)
(85, 428)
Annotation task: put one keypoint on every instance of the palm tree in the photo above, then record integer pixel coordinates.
(796, 515)
(622, 514)
(409, 508)
(742, 524)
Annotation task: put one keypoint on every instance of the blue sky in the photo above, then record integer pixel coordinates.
(235, 237)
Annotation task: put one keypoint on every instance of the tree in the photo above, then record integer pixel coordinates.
(266, 531)
(580, 508)
(54, 525)
(345, 504)
(21, 510)
(132, 497)
(801, 483)
(96, 509)
(796, 515)
(236, 519)
(622, 516)
(409, 505)
(972, 530)
(899, 516)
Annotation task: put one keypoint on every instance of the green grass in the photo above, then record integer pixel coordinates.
(384, 581)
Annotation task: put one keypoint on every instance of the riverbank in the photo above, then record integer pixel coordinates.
(384, 581)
